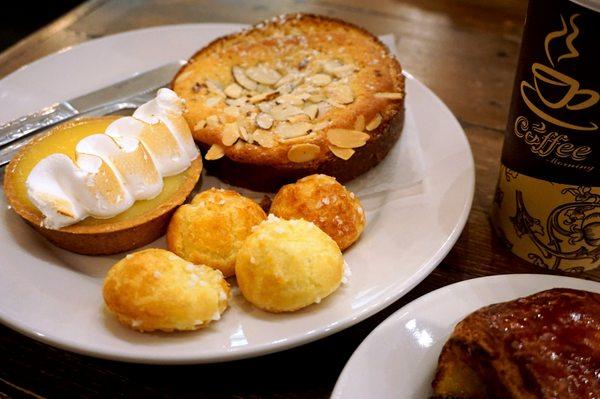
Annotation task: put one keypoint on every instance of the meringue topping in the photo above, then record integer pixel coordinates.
(114, 169)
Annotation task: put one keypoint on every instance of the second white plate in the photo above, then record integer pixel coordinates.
(399, 358)
(55, 296)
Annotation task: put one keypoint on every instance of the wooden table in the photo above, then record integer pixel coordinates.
(464, 50)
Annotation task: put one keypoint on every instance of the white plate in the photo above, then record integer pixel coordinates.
(399, 358)
(55, 296)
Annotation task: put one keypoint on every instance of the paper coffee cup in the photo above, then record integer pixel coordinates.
(546, 208)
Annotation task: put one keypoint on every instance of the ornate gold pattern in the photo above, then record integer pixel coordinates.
(551, 225)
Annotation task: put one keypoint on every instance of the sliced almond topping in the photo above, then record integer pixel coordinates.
(302, 139)
(390, 96)
(214, 87)
(263, 74)
(290, 99)
(247, 108)
(291, 130)
(230, 134)
(331, 65)
(299, 118)
(212, 101)
(261, 88)
(214, 152)
(316, 97)
(264, 121)
(265, 107)
(212, 121)
(237, 102)
(285, 89)
(183, 76)
(242, 120)
(337, 69)
(304, 93)
(311, 110)
(374, 123)
(234, 90)
(334, 103)
(344, 153)
(284, 111)
(343, 71)
(321, 125)
(323, 108)
(238, 145)
(287, 80)
(247, 137)
(252, 117)
(200, 124)
(341, 94)
(231, 111)
(346, 138)
(240, 77)
(321, 79)
(305, 152)
(264, 138)
(359, 123)
(263, 97)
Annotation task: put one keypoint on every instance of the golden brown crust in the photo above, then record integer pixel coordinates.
(211, 229)
(287, 265)
(325, 202)
(154, 289)
(546, 345)
(290, 37)
(108, 238)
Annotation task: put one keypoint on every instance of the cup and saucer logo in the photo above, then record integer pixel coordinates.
(554, 90)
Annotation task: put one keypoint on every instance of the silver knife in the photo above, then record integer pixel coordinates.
(100, 102)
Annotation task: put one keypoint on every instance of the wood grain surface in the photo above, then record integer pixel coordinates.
(464, 50)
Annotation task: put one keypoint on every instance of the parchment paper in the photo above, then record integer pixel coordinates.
(404, 166)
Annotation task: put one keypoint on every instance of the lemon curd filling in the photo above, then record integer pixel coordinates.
(63, 140)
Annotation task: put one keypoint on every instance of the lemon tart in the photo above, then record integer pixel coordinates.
(109, 184)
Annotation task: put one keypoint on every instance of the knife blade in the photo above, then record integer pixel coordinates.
(138, 83)
(8, 151)
(88, 103)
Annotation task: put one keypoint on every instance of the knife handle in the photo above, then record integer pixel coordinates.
(28, 124)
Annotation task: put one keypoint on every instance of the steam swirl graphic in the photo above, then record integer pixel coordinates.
(573, 53)
(572, 50)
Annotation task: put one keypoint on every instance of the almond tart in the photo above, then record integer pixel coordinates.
(143, 222)
(293, 96)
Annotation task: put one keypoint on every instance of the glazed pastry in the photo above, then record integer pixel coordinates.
(293, 96)
(155, 289)
(106, 185)
(546, 345)
(211, 229)
(325, 202)
(285, 265)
